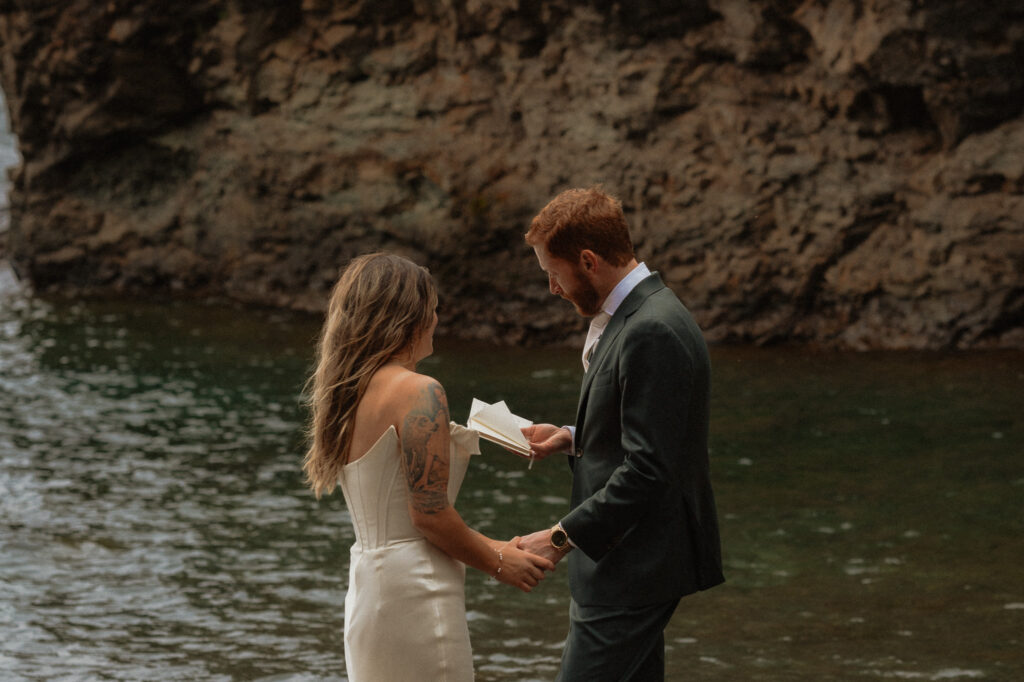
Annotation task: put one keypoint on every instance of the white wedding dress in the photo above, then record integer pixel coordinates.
(405, 611)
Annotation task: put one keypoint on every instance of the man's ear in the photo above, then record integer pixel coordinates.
(588, 261)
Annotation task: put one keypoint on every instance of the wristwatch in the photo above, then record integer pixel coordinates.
(559, 538)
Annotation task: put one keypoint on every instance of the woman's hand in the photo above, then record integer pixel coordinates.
(548, 439)
(520, 568)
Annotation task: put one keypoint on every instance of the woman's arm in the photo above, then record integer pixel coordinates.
(425, 454)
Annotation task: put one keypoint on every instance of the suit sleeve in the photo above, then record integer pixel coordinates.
(655, 385)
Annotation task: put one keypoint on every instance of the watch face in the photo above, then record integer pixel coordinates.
(559, 538)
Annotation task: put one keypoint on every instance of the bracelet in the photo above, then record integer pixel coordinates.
(501, 559)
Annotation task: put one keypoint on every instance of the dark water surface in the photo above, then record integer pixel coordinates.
(153, 522)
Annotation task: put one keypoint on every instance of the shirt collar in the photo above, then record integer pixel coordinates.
(622, 289)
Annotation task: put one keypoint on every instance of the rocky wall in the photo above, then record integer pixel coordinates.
(847, 174)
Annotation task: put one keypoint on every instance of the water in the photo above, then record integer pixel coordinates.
(153, 522)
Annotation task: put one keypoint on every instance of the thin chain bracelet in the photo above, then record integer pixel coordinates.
(501, 560)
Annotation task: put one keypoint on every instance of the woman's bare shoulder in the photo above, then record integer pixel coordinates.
(404, 389)
(420, 388)
(418, 405)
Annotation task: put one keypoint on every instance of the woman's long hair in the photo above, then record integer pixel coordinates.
(378, 309)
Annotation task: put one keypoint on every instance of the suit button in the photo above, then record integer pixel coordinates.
(579, 452)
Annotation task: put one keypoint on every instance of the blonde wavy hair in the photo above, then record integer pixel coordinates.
(378, 309)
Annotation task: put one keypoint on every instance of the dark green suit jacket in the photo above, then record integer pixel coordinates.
(643, 513)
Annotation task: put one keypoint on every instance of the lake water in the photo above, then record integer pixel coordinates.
(154, 524)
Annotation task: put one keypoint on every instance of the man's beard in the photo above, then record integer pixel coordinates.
(584, 297)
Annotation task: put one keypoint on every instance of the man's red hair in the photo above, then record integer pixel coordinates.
(579, 219)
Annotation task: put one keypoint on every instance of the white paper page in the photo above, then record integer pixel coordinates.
(497, 424)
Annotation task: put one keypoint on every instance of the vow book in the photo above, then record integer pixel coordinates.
(497, 424)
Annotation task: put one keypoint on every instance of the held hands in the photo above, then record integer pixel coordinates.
(519, 568)
(524, 559)
(547, 439)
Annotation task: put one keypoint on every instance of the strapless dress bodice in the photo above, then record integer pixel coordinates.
(377, 494)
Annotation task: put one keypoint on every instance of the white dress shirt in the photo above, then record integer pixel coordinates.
(622, 289)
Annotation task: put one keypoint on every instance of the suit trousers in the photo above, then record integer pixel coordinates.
(616, 643)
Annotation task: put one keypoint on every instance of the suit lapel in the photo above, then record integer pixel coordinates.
(630, 305)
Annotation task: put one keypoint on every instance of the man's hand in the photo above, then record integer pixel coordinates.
(547, 439)
(539, 543)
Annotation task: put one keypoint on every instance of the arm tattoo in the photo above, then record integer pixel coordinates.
(426, 469)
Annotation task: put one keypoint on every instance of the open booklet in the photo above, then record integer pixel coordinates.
(497, 424)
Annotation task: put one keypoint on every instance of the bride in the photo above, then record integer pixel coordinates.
(382, 431)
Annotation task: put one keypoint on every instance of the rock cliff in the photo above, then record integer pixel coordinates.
(842, 173)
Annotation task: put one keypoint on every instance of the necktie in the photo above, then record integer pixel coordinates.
(597, 325)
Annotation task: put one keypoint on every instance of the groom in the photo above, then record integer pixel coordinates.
(643, 531)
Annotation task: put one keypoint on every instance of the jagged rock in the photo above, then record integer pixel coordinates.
(846, 174)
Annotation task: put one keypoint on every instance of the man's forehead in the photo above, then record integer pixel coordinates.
(542, 255)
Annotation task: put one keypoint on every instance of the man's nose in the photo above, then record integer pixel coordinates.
(553, 286)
